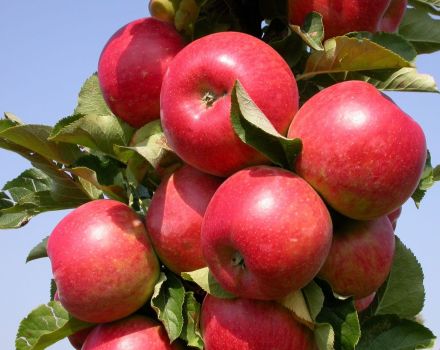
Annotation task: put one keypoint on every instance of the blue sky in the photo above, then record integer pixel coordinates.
(47, 49)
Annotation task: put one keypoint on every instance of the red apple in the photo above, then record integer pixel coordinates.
(174, 218)
(361, 256)
(102, 261)
(132, 65)
(265, 233)
(133, 333)
(361, 152)
(362, 303)
(245, 324)
(393, 16)
(196, 99)
(341, 16)
(394, 216)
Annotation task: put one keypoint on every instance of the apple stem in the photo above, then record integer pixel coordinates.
(237, 260)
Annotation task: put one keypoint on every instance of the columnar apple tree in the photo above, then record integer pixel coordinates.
(235, 175)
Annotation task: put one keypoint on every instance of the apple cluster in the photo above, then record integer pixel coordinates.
(263, 231)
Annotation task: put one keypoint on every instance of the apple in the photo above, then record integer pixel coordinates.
(393, 16)
(394, 216)
(266, 233)
(341, 16)
(196, 99)
(102, 261)
(76, 339)
(362, 303)
(361, 152)
(174, 218)
(133, 333)
(132, 65)
(245, 324)
(360, 257)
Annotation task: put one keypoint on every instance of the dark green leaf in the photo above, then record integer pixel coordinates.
(429, 177)
(191, 315)
(97, 132)
(205, 280)
(290, 47)
(90, 99)
(402, 294)
(391, 41)
(46, 325)
(314, 298)
(39, 251)
(53, 289)
(390, 332)
(167, 300)
(273, 8)
(421, 29)
(343, 54)
(254, 129)
(312, 31)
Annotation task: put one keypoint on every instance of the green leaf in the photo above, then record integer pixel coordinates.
(421, 29)
(402, 293)
(343, 54)
(429, 177)
(291, 47)
(392, 41)
(296, 303)
(90, 100)
(97, 132)
(391, 332)
(312, 31)
(53, 289)
(34, 138)
(324, 336)
(167, 300)
(314, 298)
(254, 129)
(205, 280)
(431, 6)
(46, 325)
(39, 251)
(191, 316)
(34, 192)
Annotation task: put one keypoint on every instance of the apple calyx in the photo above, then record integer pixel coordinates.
(238, 260)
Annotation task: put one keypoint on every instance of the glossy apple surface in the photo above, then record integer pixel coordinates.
(132, 65)
(265, 233)
(361, 256)
(394, 216)
(362, 303)
(393, 16)
(196, 99)
(341, 16)
(132, 333)
(175, 215)
(102, 261)
(245, 324)
(361, 152)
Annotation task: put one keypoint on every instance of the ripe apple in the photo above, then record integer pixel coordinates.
(394, 216)
(245, 324)
(393, 16)
(341, 16)
(76, 339)
(265, 233)
(361, 152)
(174, 218)
(196, 99)
(102, 261)
(132, 65)
(133, 333)
(362, 303)
(361, 256)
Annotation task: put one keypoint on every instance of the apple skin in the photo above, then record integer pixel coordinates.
(132, 65)
(245, 324)
(393, 16)
(361, 152)
(102, 261)
(201, 78)
(394, 216)
(175, 215)
(341, 16)
(362, 303)
(266, 233)
(360, 258)
(132, 333)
